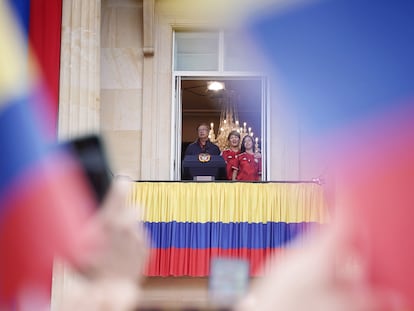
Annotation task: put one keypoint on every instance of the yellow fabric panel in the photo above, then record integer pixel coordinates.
(13, 57)
(229, 202)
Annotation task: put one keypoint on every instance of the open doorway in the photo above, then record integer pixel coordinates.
(200, 105)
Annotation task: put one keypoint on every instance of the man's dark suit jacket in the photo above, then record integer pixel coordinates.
(195, 148)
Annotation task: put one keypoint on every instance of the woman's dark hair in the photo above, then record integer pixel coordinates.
(235, 133)
(243, 148)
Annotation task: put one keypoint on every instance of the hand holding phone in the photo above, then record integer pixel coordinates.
(89, 151)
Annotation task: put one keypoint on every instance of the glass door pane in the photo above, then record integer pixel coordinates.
(196, 51)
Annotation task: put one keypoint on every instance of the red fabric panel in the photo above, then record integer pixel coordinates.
(44, 37)
(196, 262)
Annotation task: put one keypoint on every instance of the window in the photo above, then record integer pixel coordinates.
(220, 51)
(196, 51)
(202, 56)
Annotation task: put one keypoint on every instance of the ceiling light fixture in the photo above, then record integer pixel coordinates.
(215, 86)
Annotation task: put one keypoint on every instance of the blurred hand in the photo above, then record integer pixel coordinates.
(125, 250)
(110, 280)
(324, 275)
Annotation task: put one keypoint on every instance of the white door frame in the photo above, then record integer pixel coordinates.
(176, 122)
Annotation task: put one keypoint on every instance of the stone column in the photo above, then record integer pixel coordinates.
(149, 111)
(79, 71)
(79, 94)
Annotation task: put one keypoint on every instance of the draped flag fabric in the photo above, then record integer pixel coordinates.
(192, 223)
(44, 200)
(186, 249)
(346, 68)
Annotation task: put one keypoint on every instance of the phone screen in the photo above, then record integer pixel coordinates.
(228, 280)
(89, 150)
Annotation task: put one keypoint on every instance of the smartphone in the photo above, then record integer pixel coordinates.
(90, 152)
(228, 279)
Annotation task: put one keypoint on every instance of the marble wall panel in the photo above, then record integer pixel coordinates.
(121, 109)
(124, 148)
(121, 68)
(121, 84)
(121, 24)
(163, 113)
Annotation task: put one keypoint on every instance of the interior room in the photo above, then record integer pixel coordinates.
(200, 105)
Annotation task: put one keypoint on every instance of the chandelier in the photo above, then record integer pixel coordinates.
(229, 121)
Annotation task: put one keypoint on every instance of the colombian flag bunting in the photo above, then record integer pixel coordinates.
(191, 223)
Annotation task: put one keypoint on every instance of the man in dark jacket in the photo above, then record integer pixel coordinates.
(203, 143)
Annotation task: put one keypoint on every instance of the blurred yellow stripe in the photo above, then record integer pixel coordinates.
(13, 58)
(229, 202)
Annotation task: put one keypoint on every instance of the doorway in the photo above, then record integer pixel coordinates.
(196, 104)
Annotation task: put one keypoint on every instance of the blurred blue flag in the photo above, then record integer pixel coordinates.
(340, 61)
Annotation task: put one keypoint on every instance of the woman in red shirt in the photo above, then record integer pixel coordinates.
(248, 164)
(229, 154)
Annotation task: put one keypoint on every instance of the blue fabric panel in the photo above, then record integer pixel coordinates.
(225, 235)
